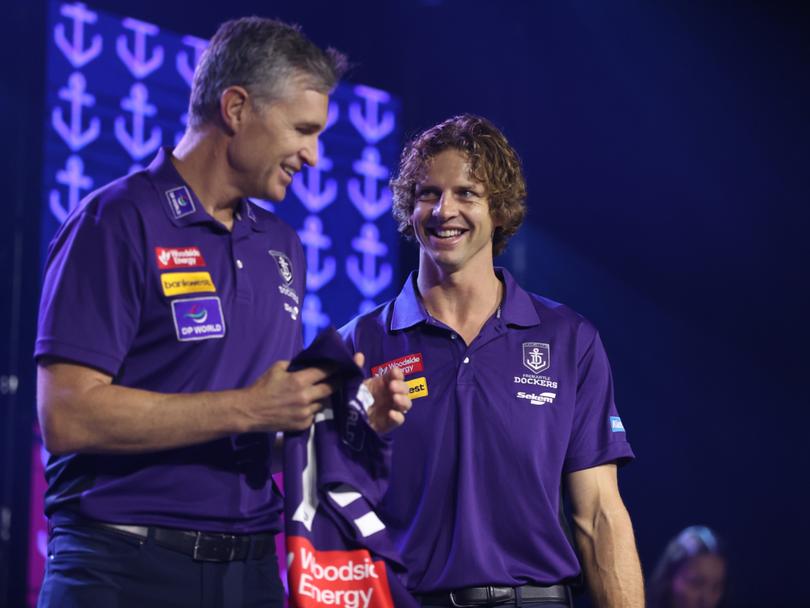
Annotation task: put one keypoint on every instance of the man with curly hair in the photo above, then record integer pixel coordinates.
(512, 396)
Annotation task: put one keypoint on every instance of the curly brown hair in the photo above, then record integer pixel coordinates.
(493, 163)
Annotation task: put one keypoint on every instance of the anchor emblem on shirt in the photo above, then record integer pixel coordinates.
(536, 356)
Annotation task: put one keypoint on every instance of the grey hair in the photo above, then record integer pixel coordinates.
(261, 55)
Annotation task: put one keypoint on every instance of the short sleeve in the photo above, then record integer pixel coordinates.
(93, 288)
(598, 435)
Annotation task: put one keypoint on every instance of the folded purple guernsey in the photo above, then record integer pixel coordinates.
(339, 552)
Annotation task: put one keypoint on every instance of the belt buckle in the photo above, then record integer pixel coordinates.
(208, 549)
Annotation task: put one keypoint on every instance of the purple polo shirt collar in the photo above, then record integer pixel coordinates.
(517, 308)
(182, 205)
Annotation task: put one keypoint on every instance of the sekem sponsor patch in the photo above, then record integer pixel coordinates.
(409, 364)
(178, 257)
(177, 283)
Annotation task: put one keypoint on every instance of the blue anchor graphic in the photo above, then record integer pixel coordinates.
(74, 50)
(72, 134)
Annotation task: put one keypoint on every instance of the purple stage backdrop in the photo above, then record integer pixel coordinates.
(117, 90)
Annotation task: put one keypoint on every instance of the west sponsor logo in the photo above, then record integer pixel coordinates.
(537, 398)
(417, 388)
(409, 364)
(285, 269)
(198, 319)
(180, 202)
(349, 579)
(178, 283)
(178, 257)
(616, 424)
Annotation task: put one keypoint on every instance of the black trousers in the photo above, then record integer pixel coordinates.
(92, 567)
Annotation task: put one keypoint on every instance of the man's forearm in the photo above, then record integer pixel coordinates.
(610, 559)
(80, 410)
(110, 418)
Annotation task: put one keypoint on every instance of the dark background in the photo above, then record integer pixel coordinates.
(667, 152)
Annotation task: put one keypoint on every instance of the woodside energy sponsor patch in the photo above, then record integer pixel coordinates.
(409, 364)
(178, 257)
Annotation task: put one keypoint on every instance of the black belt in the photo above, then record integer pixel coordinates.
(201, 546)
(496, 596)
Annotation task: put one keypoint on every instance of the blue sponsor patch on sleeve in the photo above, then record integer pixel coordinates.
(616, 424)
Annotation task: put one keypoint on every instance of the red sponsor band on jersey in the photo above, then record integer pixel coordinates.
(348, 579)
(178, 257)
(409, 364)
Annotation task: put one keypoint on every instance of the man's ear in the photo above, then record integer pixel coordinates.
(234, 104)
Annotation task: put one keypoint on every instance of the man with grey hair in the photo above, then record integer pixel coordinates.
(162, 373)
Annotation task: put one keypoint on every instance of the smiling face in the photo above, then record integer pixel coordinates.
(451, 216)
(272, 141)
(699, 582)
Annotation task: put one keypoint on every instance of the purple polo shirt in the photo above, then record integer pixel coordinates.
(144, 285)
(474, 493)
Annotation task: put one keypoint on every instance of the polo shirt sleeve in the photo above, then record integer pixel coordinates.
(93, 288)
(597, 434)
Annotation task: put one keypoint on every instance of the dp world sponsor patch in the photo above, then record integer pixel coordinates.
(178, 283)
(345, 579)
(616, 424)
(198, 319)
(417, 388)
(180, 202)
(178, 257)
(409, 364)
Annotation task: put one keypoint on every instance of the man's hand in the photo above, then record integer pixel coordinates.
(281, 400)
(391, 401)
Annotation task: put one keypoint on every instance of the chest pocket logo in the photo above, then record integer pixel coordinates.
(285, 267)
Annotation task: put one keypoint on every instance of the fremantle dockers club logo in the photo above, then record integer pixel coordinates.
(284, 266)
(536, 356)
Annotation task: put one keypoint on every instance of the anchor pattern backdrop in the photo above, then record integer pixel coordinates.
(118, 89)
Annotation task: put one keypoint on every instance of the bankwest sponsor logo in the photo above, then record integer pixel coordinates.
(409, 364)
(616, 424)
(185, 257)
(417, 388)
(347, 579)
(176, 283)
